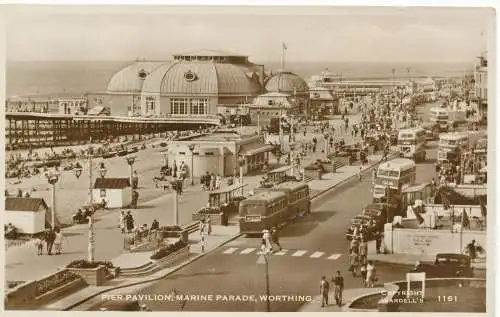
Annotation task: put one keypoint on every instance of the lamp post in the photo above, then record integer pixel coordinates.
(262, 260)
(130, 161)
(292, 147)
(53, 178)
(241, 162)
(326, 144)
(102, 172)
(191, 148)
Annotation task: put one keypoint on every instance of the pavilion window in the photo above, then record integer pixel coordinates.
(179, 105)
(199, 106)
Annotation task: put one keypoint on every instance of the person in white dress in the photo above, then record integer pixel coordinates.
(58, 241)
(370, 274)
(266, 238)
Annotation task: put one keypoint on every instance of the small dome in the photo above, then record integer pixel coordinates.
(132, 77)
(286, 82)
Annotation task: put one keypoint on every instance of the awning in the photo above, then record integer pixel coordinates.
(415, 188)
(255, 148)
(95, 111)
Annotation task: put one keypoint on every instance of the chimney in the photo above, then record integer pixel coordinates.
(262, 79)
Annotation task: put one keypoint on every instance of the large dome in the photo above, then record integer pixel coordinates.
(132, 77)
(201, 78)
(286, 82)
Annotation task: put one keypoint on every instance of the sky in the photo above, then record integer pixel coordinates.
(311, 34)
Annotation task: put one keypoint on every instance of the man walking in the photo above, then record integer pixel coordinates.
(50, 238)
(275, 238)
(324, 289)
(338, 281)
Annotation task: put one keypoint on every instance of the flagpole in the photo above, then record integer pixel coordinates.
(283, 48)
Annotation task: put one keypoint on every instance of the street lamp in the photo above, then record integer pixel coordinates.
(326, 144)
(53, 178)
(191, 148)
(102, 172)
(262, 260)
(241, 162)
(130, 161)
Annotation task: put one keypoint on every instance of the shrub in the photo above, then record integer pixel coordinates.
(84, 264)
(209, 211)
(54, 281)
(171, 248)
(170, 228)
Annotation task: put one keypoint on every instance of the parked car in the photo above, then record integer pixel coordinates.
(446, 265)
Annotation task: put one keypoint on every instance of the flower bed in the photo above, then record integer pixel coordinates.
(174, 232)
(168, 250)
(32, 294)
(94, 273)
(55, 281)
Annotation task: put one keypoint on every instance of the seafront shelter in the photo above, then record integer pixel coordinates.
(220, 153)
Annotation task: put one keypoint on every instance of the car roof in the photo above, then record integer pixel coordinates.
(452, 255)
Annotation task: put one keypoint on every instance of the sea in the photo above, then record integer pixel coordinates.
(52, 78)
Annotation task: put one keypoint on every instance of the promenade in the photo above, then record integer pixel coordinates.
(220, 236)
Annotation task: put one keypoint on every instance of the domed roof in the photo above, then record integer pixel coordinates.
(132, 77)
(286, 82)
(201, 78)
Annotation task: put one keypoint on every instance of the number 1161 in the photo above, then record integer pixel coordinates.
(447, 299)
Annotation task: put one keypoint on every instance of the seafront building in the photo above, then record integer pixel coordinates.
(481, 85)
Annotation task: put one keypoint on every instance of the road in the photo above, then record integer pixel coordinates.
(233, 269)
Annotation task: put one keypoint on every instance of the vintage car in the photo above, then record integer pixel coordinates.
(446, 265)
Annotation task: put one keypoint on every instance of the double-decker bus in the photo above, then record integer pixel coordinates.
(392, 177)
(451, 147)
(411, 143)
(441, 117)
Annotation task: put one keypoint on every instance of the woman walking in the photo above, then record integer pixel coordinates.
(58, 241)
(370, 274)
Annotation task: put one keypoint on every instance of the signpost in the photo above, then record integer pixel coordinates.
(415, 277)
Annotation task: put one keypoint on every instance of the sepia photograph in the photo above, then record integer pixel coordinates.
(248, 158)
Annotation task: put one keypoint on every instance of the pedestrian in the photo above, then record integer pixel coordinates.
(58, 241)
(362, 270)
(378, 241)
(129, 222)
(275, 238)
(338, 282)
(471, 249)
(39, 246)
(209, 225)
(121, 223)
(363, 252)
(324, 289)
(359, 175)
(266, 236)
(370, 274)
(353, 262)
(49, 240)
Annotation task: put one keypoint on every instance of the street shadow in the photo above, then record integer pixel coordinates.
(71, 234)
(143, 207)
(318, 216)
(298, 229)
(177, 276)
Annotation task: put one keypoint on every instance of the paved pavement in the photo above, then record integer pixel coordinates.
(154, 204)
(315, 246)
(349, 295)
